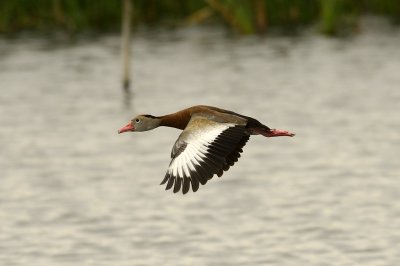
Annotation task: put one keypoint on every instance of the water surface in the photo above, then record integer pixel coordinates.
(74, 192)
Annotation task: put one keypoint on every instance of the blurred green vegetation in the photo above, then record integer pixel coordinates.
(243, 16)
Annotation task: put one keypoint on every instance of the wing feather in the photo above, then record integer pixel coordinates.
(203, 149)
(178, 183)
(170, 182)
(186, 185)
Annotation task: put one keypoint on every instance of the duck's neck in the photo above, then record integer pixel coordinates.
(177, 120)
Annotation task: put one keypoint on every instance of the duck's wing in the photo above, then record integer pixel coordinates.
(204, 148)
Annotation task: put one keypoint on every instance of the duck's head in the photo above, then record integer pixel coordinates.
(141, 123)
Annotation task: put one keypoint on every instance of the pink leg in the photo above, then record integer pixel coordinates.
(271, 133)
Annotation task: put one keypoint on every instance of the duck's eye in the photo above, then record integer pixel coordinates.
(137, 120)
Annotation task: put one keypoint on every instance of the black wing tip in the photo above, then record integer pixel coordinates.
(170, 183)
(178, 182)
(183, 184)
(165, 179)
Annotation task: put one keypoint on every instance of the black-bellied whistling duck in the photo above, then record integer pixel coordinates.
(211, 142)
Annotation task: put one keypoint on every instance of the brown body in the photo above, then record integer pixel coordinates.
(180, 119)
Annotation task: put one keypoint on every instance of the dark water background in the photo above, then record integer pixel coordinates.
(74, 192)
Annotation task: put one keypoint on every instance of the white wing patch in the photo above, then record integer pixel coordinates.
(195, 151)
(204, 148)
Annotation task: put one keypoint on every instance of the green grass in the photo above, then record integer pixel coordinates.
(243, 16)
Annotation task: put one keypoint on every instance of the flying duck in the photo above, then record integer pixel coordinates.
(211, 142)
